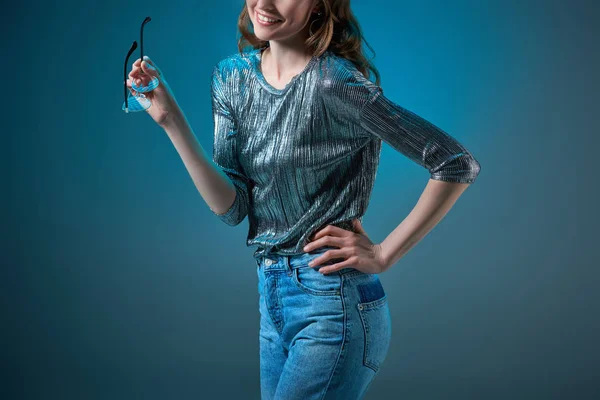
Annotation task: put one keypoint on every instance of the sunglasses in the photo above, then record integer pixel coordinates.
(137, 101)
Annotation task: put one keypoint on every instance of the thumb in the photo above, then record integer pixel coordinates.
(148, 68)
(358, 226)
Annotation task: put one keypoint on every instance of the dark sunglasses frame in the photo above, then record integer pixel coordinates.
(131, 50)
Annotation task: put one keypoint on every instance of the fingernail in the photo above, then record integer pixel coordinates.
(146, 58)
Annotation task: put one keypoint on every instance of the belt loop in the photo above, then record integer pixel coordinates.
(286, 263)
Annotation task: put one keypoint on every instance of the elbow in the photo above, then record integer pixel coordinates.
(462, 169)
(475, 167)
(236, 213)
(471, 169)
(232, 217)
(234, 220)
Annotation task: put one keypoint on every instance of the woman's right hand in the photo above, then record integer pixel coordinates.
(163, 103)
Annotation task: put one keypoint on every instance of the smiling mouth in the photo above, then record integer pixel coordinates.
(266, 20)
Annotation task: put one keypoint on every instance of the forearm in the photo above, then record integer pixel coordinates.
(215, 188)
(435, 201)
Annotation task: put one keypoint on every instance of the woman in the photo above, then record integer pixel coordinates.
(298, 133)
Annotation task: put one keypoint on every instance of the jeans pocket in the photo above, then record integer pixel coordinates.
(315, 283)
(376, 322)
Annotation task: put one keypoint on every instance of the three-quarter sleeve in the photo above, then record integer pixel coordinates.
(418, 139)
(225, 149)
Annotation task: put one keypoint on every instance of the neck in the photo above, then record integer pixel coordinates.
(286, 57)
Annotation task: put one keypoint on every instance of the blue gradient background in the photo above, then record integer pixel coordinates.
(119, 283)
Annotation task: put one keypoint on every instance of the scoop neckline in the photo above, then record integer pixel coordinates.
(270, 88)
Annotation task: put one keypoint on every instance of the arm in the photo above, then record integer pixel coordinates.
(223, 188)
(369, 113)
(225, 152)
(434, 203)
(424, 143)
(215, 189)
(451, 166)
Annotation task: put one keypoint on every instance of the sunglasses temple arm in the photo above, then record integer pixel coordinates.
(131, 50)
(146, 20)
(125, 86)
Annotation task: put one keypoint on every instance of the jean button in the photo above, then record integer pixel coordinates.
(268, 262)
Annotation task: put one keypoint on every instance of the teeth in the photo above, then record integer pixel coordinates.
(266, 19)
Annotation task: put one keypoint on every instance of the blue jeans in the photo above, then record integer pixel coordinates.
(321, 336)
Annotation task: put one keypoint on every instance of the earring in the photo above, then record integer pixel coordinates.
(311, 24)
(310, 32)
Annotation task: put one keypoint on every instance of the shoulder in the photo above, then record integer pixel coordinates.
(341, 81)
(234, 64)
(339, 71)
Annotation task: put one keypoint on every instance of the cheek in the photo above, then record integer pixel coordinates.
(295, 16)
(250, 9)
(301, 19)
(251, 15)
(295, 23)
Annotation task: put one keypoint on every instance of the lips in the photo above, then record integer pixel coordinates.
(267, 16)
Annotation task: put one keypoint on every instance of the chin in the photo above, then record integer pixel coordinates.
(260, 34)
(263, 37)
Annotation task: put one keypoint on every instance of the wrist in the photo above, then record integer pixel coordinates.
(383, 257)
(173, 121)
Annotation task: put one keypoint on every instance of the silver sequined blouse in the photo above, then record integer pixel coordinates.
(306, 156)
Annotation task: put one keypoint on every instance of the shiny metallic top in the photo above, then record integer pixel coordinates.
(306, 156)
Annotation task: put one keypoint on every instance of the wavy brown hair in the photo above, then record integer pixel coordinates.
(336, 29)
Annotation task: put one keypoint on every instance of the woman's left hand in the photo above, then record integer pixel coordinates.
(358, 250)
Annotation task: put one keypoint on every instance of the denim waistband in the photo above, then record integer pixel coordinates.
(284, 262)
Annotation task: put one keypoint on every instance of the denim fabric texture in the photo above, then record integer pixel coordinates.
(322, 336)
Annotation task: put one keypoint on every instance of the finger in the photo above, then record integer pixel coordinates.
(328, 255)
(138, 81)
(152, 65)
(147, 69)
(134, 78)
(130, 85)
(137, 66)
(132, 91)
(332, 230)
(335, 267)
(149, 61)
(134, 73)
(150, 69)
(325, 241)
(346, 263)
(146, 79)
